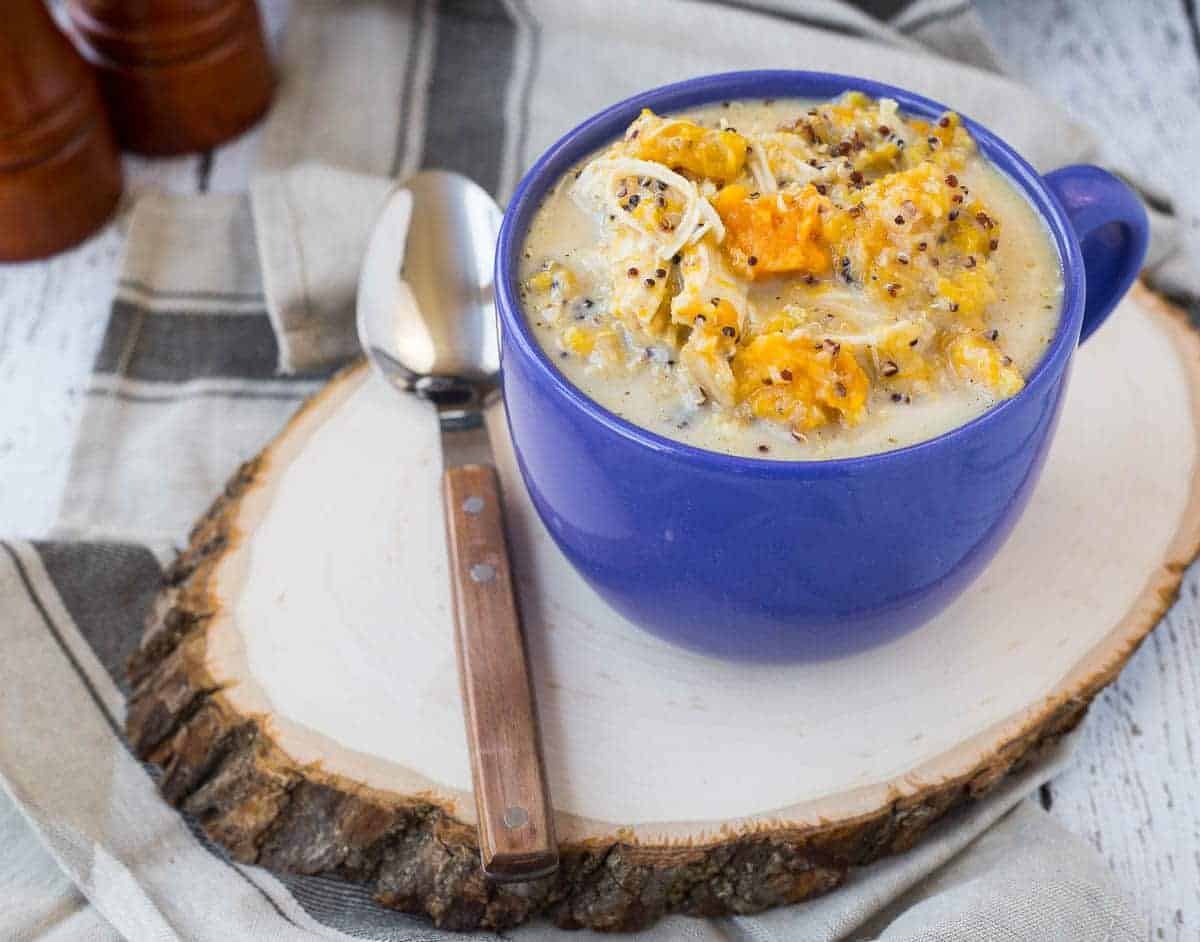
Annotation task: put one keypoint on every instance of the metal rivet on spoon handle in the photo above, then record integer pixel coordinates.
(429, 329)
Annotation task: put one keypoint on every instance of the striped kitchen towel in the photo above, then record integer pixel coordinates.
(231, 311)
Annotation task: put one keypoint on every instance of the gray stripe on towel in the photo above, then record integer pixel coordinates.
(178, 346)
(107, 589)
(473, 58)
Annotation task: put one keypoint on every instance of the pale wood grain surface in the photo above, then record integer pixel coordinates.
(1131, 70)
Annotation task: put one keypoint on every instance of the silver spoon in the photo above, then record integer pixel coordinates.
(429, 327)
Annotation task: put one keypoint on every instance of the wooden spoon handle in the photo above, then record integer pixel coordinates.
(516, 825)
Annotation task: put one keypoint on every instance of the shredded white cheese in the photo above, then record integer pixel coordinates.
(598, 184)
(847, 305)
(871, 338)
(788, 161)
(760, 169)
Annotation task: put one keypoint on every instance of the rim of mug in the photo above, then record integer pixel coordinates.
(606, 126)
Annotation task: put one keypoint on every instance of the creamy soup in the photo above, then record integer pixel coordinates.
(792, 280)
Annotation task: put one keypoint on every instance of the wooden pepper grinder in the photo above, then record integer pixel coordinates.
(60, 173)
(178, 75)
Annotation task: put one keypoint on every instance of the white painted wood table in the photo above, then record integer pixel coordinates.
(1133, 790)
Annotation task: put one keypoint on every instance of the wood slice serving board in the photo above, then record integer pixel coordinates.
(297, 684)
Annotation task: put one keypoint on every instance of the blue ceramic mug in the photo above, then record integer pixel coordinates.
(763, 559)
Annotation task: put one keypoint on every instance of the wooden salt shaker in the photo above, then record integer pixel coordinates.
(178, 75)
(60, 173)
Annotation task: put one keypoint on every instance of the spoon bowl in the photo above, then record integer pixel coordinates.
(426, 310)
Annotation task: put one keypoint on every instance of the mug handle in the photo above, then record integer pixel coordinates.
(1112, 228)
